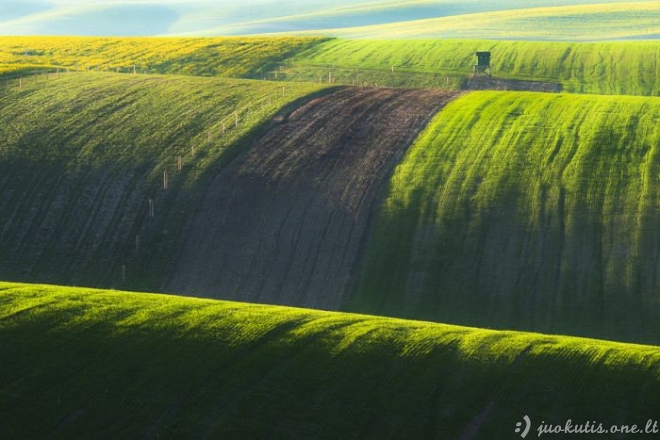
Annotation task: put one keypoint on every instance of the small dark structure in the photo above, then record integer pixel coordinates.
(483, 63)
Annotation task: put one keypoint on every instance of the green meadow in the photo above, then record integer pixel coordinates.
(80, 363)
(515, 226)
(626, 68)
(529, 211)
(83, 163)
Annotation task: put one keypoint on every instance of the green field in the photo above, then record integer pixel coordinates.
(227, 57)
(81, 155)
(605, 68)
(581, 22)
(527, 211)
(80, 363)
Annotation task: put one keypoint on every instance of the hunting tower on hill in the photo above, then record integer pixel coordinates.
(483, 63)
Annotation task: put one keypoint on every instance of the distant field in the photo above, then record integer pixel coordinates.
(125, 365)
(529, 19)
(581, 22)
(606, 68)
(527, 211)
(82, 154)
(228, 57)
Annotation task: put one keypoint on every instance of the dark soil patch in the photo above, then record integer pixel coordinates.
(285, 221)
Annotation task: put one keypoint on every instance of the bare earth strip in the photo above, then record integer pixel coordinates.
(284, 222)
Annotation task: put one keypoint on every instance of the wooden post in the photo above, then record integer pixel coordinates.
(20, 82)
(151, 208)
(223, 128)
(192, 150)
(165, 180)
(329, 78)
(282, 90)
(179, 163)
(236, 116)
(134, 71)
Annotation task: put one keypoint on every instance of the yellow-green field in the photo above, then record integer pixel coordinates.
(230, 57)
(605, 68)
(77, 363)
(529, 211)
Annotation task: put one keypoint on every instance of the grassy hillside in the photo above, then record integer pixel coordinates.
(574, 22)
(82, 155)
(228, 57)
(228, 17)
(284, 223)
(527, 211)
(126, 365)
(605, 68)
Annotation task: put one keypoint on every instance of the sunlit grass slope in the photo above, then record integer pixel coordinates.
(529, 211)
(604, 68)
(581, 22)
(228, 57)
(82, 156)
(77, 363)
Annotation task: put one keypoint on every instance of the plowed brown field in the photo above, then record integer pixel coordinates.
(285, 221)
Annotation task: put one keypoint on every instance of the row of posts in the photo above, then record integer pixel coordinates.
(235, 121)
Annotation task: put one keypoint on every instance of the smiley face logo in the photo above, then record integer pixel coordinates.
(528, 424)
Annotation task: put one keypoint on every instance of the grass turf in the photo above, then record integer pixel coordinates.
(80, 363)
(82, 155)
(601, 68)
(525, 210)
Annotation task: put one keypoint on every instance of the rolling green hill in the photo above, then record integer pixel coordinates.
(527, 211)
(83, 159)
(78, 362)
(605, 68)
(226, 57)
(522, 18)
(544, 22)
